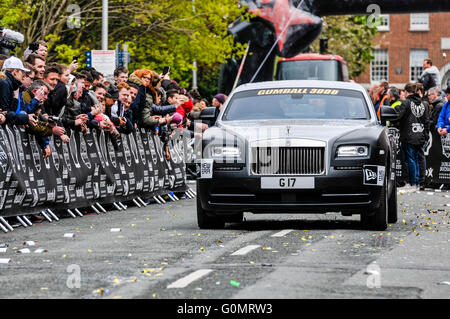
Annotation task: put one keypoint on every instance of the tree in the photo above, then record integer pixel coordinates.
(177, 32)
(158, 32)
(350, 37)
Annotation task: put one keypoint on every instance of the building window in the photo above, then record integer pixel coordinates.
(445, 43)
(417, 56)
(379, 67)
(419, 22)
(383, 22)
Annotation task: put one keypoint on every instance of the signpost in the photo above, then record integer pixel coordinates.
(104, 61)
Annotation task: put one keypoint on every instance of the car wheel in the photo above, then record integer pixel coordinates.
(206, 219)
(392, 205)
(235, 218)
(378, 220)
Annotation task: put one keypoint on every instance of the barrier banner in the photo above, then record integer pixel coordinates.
(400, 168)
(91, 168)
(437, 152)
(437, 157)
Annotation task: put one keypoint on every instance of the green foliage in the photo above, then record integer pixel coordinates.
(11, 12)
(351, 38)
(178, 34)
(158, 32)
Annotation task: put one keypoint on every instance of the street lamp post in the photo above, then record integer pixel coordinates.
(104, 24)
(194, 64)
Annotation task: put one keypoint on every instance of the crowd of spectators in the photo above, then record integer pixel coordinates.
(422, 107)
(49, 98)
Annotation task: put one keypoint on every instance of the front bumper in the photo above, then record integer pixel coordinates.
(237, 191)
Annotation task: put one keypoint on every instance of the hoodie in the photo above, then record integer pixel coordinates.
(437, 105)
(413, 120)
(430, 78)
(7, 88)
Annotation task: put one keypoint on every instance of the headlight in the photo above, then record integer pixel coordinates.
(352, 151)
(225, 151)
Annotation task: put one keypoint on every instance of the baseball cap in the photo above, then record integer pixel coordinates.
(14, 63)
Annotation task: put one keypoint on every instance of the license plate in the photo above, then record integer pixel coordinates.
(287, 183)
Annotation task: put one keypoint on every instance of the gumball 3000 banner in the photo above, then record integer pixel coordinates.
(91, 168)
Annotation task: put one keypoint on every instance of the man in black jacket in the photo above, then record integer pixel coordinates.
(430, 75)
(121, 114)
(120, 75)
(437, 101)
(58, 96)
(413, 123)
(15, 72)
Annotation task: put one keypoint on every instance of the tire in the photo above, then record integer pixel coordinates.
(392, 206)
(206, 219)
(379, 219)
(235, 218)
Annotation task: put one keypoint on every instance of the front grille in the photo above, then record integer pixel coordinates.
(288, 160)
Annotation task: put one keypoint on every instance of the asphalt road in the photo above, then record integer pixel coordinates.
(160, 253)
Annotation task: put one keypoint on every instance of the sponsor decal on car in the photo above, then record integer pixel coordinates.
(373, 175)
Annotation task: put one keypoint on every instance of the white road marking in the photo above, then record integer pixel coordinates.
(282, 233)
(245, 250)
(183, 282)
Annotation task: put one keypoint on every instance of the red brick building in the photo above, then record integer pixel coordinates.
(403, 42)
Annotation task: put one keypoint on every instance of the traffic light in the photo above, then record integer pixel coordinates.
(323, 45)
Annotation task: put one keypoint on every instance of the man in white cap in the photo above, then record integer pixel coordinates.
(15, 73)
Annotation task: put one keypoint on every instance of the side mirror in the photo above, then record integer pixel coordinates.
(388, 113)
(210, 114)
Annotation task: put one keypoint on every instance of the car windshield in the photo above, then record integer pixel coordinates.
(308, 70)
(297, 103)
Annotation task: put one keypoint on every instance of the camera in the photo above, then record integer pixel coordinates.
(9, 39)
(53, 119)
(34, 47)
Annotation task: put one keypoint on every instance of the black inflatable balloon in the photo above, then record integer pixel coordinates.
(228, 72)
(292, 25)
(342, 7)
(294, 29)
(261, 38)
(299, 37)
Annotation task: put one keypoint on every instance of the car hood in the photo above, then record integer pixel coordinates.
(320, 130)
